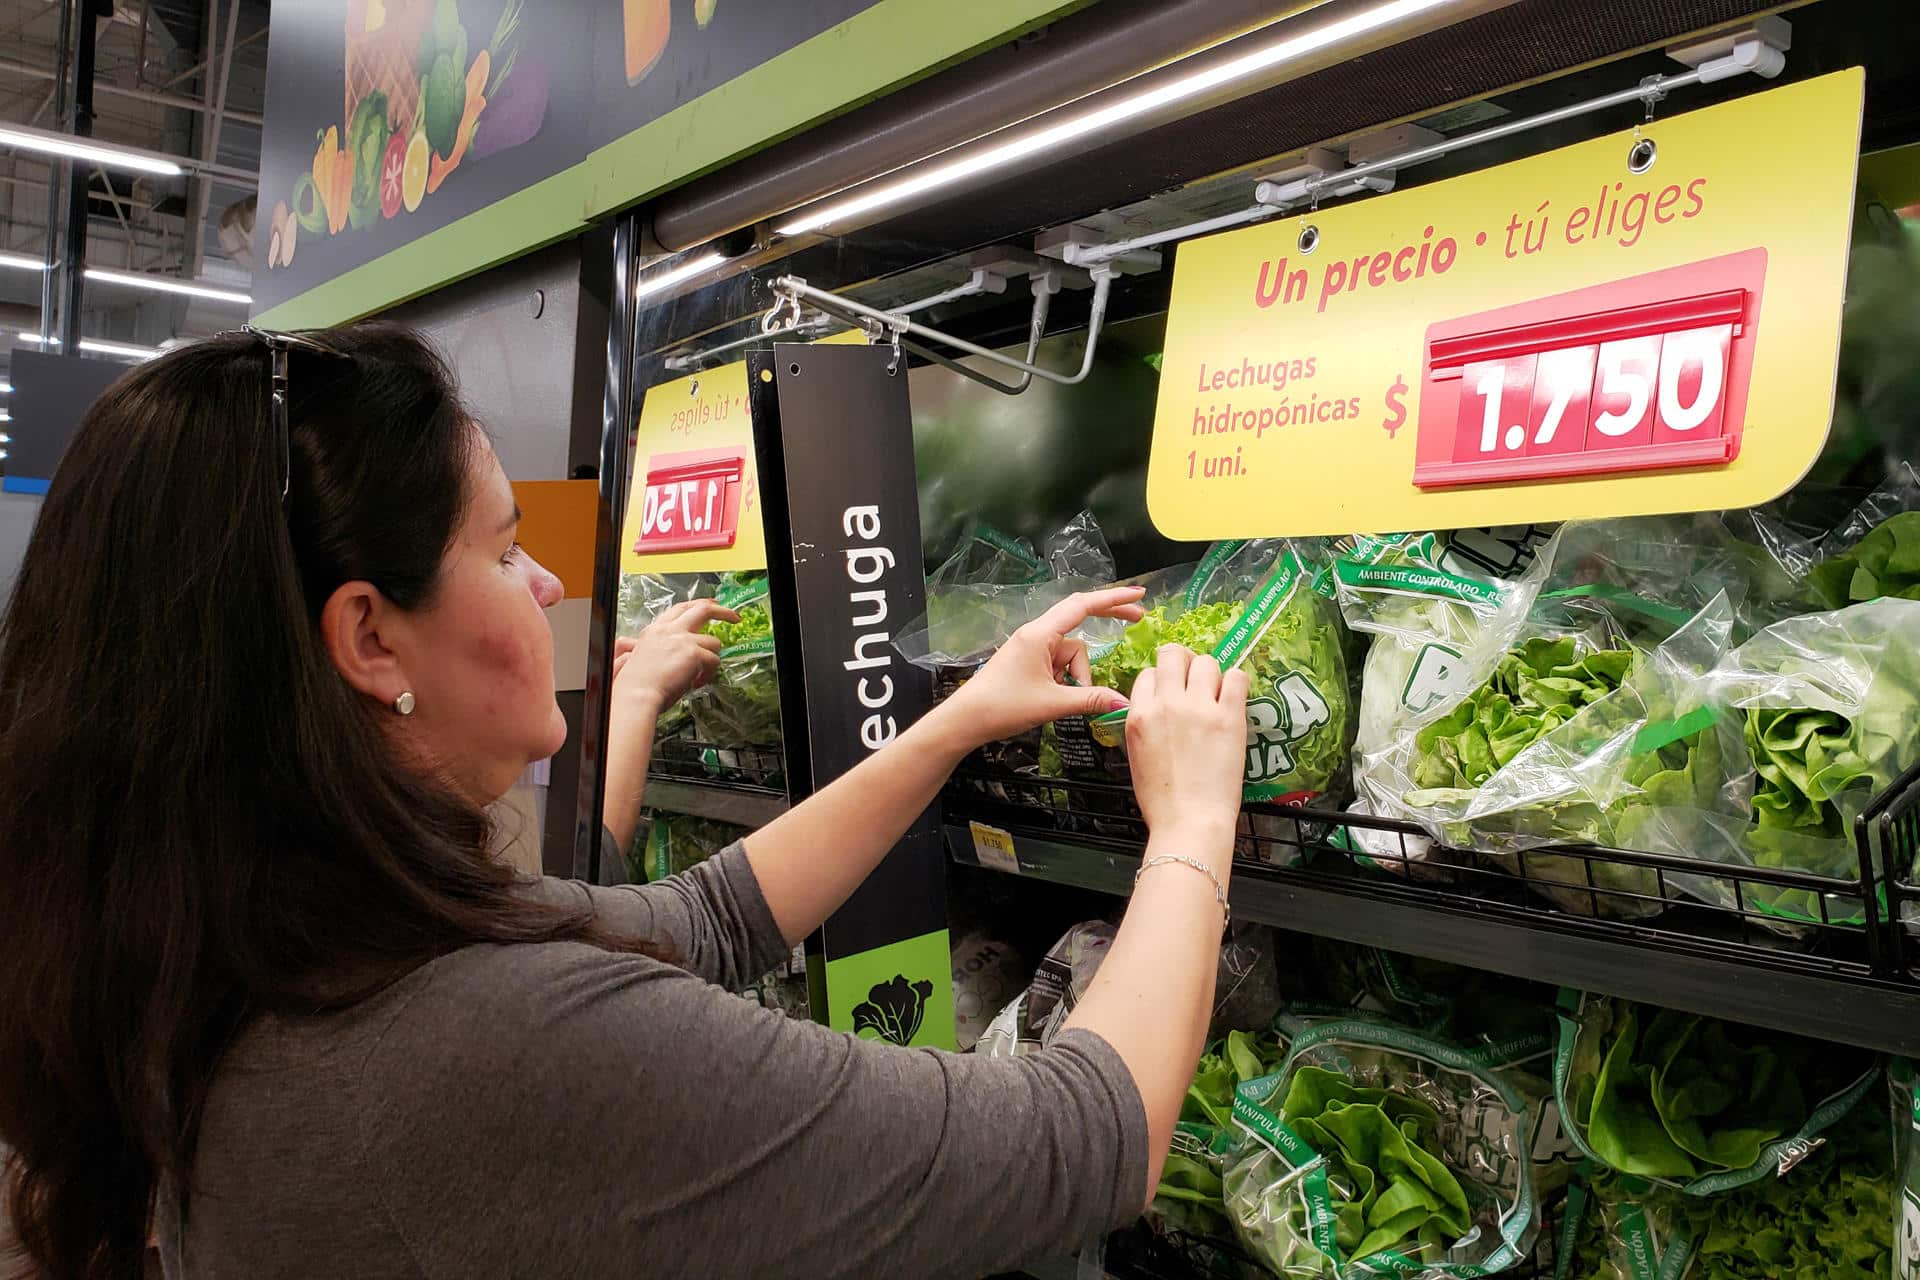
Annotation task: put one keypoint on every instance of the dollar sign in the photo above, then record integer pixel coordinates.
(1396, 408)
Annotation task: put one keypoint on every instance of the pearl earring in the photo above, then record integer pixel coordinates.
(403, 705)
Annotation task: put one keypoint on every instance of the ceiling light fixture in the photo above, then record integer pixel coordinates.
(99, 346)
(22, 262)
(1252, 63)
(685, 271)
(104, 154)
(168, 284)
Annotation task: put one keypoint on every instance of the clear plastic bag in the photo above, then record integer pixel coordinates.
(1034, 1017)
(1694, 1104)
(1617, 741)
(1261, 606)
(1377, 1150)
(1828, 708)
(1438, 624)
(740, 706)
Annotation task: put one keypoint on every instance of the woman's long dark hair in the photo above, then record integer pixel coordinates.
(200, 820)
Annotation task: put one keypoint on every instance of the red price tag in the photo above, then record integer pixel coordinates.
(692, 500)
(1551, 390)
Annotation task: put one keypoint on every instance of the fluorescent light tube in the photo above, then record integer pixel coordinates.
(99, 346)
(22, 262)
(167, 284)
(685, 271)
(104, 154)
(937, 175)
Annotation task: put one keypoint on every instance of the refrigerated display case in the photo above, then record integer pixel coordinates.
(1025, 305)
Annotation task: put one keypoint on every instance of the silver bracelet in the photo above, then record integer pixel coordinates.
(1219, 890)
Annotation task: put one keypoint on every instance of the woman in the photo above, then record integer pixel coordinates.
(266, 994)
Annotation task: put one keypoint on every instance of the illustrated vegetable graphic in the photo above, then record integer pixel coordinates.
(893, 1010)
(393, 168)
(413, 178)
(703, 12)
(444, 163)
(333, 179)
(367, 141)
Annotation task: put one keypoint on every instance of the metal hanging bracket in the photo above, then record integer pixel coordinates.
(1760, 47)
(899, 328)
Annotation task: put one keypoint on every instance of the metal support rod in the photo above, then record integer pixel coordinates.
(859, 313)
(74, 255)
(809, 328)
(1036, 330)
(1649, 91)
(1087, 255)
(1377, 175)
(217, 81)
(56, 175)
(981, 281)
(133, 93)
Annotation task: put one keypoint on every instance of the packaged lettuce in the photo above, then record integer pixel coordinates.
(1254, 605)
(1884, 563)
(1832, 1221)
(1693, 1104)
(1440, 618)
(1583, 740)
(740, 706)
(1828, 706)
(1375, 1150)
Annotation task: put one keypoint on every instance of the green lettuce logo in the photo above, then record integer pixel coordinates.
(893, 1010)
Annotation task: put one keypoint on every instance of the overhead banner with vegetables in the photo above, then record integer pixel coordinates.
(1638, 324)
(412, 142)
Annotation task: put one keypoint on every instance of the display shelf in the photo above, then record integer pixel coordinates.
(743, 785)
(1298, 869)
(720, 801)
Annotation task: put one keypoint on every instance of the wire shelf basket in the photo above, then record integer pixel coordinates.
(1831, 925)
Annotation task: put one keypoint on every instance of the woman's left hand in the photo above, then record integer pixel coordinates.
(1020, 687)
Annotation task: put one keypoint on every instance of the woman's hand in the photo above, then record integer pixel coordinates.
(673, 656)
(1186, 747)
(1020, 686)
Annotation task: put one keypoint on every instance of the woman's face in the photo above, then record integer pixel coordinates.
(479, 660)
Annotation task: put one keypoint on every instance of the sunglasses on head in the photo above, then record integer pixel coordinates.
(280, 347)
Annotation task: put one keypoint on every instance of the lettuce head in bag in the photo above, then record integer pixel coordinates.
(1828, 705)
(1583, 739)
(1257, 605)
(1379, 1151)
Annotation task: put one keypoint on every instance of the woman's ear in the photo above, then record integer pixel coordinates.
(351, 626)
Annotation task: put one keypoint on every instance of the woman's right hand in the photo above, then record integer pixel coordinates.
(1186, 747)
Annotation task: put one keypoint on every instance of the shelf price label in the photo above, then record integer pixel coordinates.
(691, 501)
(1552, 391)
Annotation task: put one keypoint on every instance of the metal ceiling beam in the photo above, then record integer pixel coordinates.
(210, 128)
(26, 70)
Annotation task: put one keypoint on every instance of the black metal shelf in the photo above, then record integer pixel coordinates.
(742, 785)
(719, 801)
(1835, 981)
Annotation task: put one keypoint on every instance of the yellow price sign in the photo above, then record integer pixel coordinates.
(1635, 325)
(693, 495)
